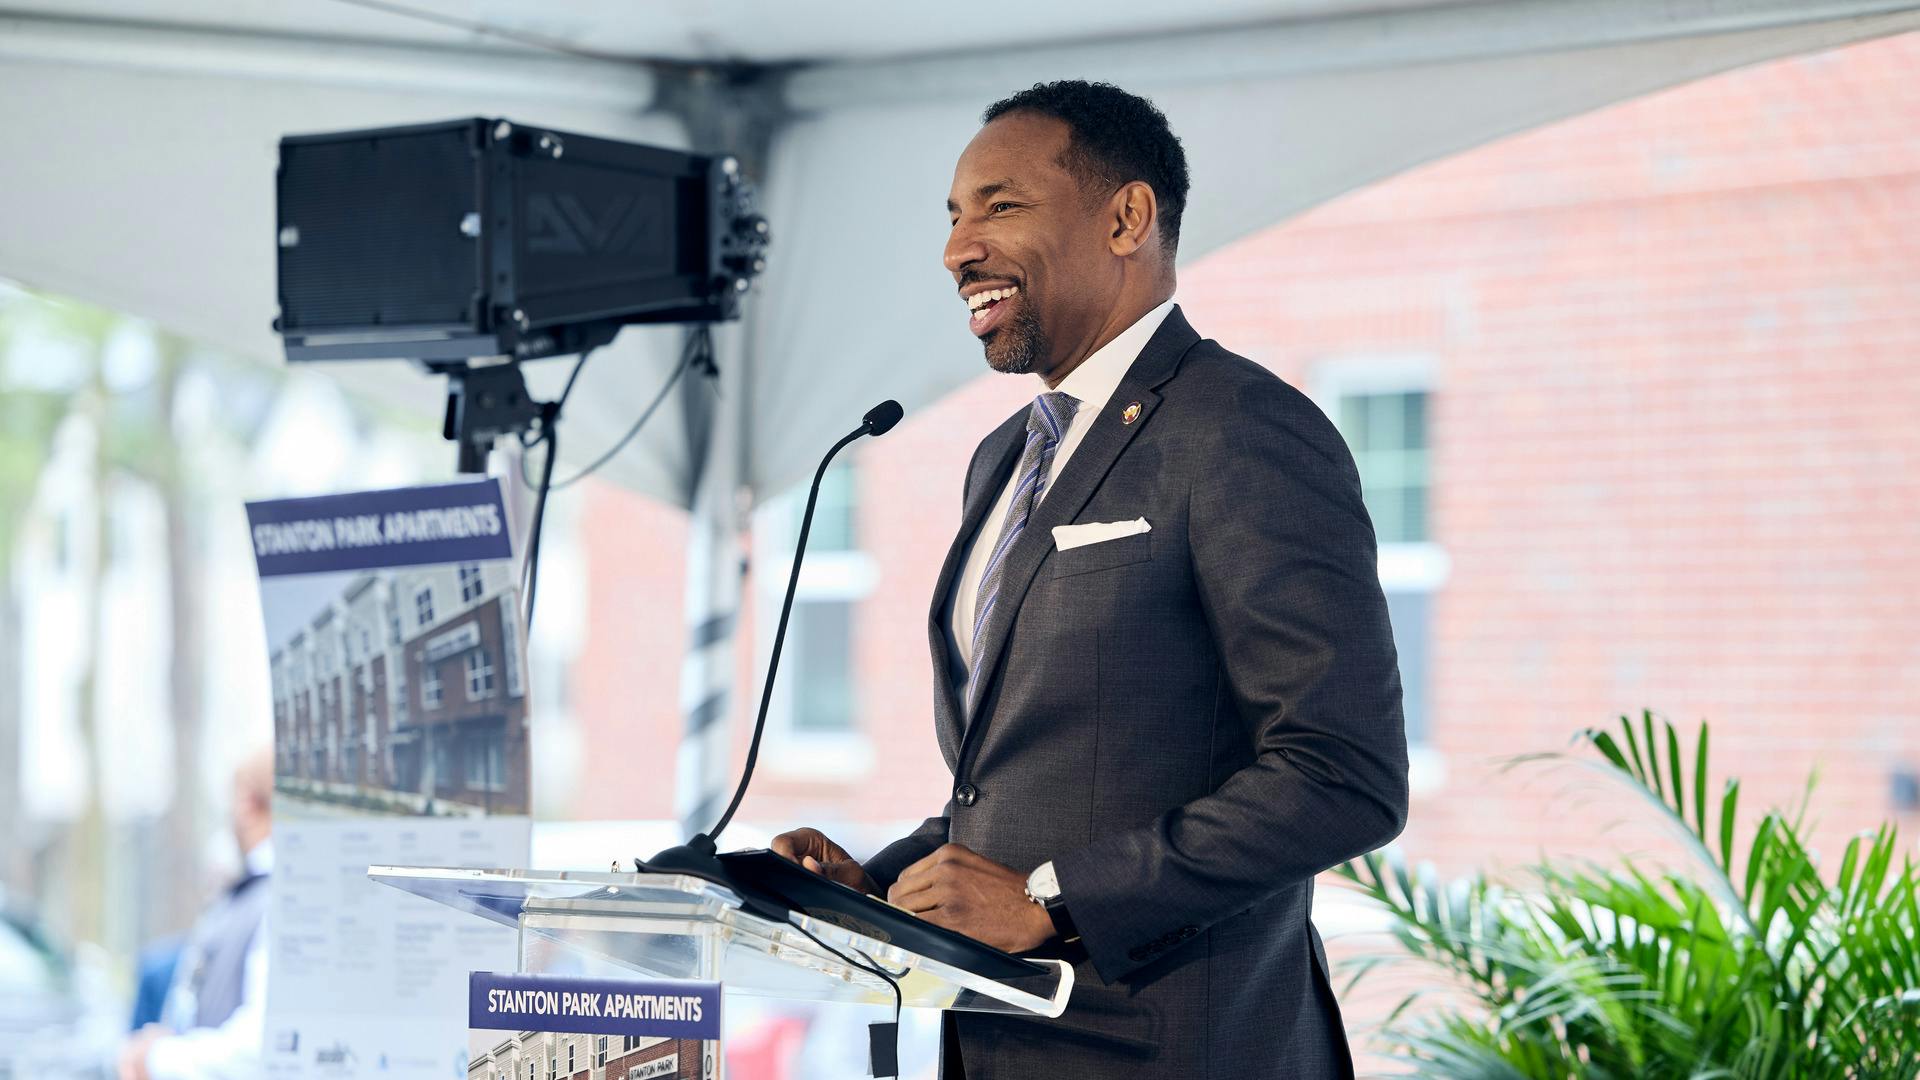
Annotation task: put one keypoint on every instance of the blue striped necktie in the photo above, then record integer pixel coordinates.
(1046, 425)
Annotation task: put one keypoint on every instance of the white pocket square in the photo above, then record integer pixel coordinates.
(1068, 537)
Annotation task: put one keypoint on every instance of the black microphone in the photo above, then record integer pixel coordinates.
(696, 856)
(881, 418)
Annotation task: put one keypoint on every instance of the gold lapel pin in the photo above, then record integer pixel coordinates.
(1130, 413)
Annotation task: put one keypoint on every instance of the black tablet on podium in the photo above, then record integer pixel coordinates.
(773, 878)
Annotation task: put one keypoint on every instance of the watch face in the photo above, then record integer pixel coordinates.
(1043, 883)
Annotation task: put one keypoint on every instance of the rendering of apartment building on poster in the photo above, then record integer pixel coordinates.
(405, 694)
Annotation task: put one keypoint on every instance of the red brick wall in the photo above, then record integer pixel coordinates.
(1674, 460)
(624, 690)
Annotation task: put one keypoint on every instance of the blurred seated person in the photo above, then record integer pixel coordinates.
(153, 975)
(212, 1019)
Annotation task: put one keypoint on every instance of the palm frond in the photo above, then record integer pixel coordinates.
(1751, 966)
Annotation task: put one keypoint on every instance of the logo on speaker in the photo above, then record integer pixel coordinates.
(561, 224)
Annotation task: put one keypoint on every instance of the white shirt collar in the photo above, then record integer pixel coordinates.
(1099, 375)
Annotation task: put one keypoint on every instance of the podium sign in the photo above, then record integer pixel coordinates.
(599, 1029)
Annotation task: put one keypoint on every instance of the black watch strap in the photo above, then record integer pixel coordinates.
(1062, 921)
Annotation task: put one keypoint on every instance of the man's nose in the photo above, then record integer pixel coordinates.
(963, 249)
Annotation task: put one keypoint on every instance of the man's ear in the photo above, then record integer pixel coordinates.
(1132, 213)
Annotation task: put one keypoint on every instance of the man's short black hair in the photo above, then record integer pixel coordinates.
(1116, 137)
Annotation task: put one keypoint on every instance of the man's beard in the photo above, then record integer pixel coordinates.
(1018, 347)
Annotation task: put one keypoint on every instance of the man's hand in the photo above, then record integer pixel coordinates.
(961, 890)
(133, 1053)
(811, 849)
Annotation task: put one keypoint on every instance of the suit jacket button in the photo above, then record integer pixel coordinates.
(966, 794)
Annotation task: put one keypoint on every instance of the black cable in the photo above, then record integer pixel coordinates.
(693, 350)
(872, 967)
(531, 573)
(549, 419)
(529, 442)
(699, 345)
(574, 376)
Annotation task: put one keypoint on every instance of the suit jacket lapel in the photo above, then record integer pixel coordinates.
(1067, 493)
(1002, 454)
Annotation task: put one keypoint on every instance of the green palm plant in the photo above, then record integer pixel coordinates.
(1753, 964)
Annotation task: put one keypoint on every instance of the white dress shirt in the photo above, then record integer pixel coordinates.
(1091, 384)
(232, 1051)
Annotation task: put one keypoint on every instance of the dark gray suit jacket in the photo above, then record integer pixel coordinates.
(1190, 722)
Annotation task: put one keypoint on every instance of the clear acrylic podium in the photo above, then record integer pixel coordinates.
(672, 926)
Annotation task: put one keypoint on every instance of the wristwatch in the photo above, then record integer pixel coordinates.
(1043, 888)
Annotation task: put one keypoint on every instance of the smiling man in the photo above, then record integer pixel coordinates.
(1165, 680)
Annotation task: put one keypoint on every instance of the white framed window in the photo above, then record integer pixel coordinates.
(1382, 404)
(423, 605)
(600, 1052)
(432, 694)
(479, 675)
(813, 718)
(471, 586)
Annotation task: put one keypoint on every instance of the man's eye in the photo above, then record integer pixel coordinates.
(999, 206)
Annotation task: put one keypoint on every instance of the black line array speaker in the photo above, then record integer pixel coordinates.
(477, 237)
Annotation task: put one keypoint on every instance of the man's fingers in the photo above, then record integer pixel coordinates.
(791, 845)
(797, 844)
(931, 864)
(907, 886)
(922, 900)
(847, 872)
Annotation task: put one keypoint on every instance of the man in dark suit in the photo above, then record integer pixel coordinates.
(1165, 679)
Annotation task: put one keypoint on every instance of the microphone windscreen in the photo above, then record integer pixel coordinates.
(881, 418)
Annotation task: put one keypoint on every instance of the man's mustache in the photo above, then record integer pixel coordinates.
(975, 277)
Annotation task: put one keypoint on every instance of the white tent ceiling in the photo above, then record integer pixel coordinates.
(753, 31)
(141, 144)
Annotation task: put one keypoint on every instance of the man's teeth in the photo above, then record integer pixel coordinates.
(982, 299)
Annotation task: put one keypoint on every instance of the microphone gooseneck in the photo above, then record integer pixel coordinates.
(696, 855)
